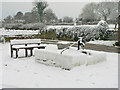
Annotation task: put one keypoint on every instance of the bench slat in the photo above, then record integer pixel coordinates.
(26, 41)
(26, 47)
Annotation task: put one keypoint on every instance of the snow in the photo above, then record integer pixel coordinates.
(101, 22)
(68, 26)
(102, 42)
(26, 73)
(70, 58)
(32, 32)
(71, 26)
(112, 26)
(25, 41)
(17, 32)
(63, 42)
(70, 29)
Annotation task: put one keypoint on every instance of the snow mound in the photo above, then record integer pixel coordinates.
(101, 42)
(63, 42)
(70, 58)
(103, 24)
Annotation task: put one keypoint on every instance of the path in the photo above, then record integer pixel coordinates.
(96, 47)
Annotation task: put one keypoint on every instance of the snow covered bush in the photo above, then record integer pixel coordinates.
(103, 26)
(90, 32)
(75, 32)
(2, 39)
(34, 26)
(12, 26)
(30, 26)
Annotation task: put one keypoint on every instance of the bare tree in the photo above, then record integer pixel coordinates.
(88, 13)
(67, 19)
(27, 17)
(19, 15)
(40, 6)
(50, 16)
(8, 19)
(105, 9)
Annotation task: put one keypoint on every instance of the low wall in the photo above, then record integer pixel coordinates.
(67, 60)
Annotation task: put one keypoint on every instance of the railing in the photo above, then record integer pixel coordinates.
(67, 47)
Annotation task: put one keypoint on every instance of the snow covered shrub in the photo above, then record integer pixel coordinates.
(2, 39)
(109, 35)
(59, 33)
(34, 26)
(12, 26)
(102, 26)
(75, 37)
(75, 32)
(90, 32)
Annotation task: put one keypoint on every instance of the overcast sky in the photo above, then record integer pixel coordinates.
(61, 8)
(72, 9)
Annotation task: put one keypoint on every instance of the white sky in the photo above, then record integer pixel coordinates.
(61, 8)
(0, 10)
(58, 0)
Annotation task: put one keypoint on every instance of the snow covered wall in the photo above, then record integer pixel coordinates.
(70, 58)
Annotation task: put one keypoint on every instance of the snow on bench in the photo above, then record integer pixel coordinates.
(70, 58)
(25, 41)
(27, 44)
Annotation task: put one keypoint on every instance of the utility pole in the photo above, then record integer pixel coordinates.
(118, 43)
(119, 23)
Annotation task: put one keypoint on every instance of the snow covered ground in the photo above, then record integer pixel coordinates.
(26, 73)
(112, 26)
(101, 42)
(17, 32)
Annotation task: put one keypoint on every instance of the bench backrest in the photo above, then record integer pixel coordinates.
(25, 41)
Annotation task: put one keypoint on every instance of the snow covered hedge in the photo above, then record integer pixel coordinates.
(12, 26)
(89, 32)
(20, 26)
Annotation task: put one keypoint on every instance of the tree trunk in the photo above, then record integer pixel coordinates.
(119, 29)
(105, 18)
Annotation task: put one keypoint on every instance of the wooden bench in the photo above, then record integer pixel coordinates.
(26, 44)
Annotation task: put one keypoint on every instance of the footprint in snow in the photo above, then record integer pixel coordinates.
(93, 83)
(78, 80)
(25, 66)
(18, 70)
(5, 65)
(35, 73)
(48, 76)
